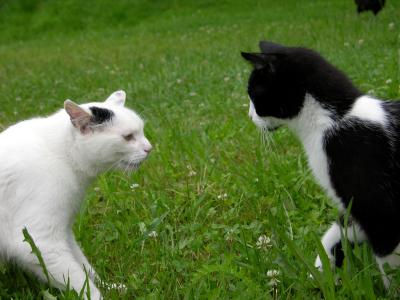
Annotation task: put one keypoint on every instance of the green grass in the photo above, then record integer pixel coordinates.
(211, 187)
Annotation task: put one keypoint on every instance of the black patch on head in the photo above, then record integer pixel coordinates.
(100, 115)
(373, 5)
(283, 75)
(364, 169)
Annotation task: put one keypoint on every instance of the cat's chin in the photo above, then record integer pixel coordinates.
(129, 166)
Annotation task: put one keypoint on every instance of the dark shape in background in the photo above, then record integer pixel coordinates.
(374, 5)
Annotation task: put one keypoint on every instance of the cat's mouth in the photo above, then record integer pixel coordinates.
(128, 165)
(270, 129)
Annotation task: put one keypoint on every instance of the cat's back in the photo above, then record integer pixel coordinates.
(31, 143)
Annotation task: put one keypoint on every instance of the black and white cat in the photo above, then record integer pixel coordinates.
(352, 141)
(46, 164)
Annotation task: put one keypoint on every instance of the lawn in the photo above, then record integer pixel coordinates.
(186, 225)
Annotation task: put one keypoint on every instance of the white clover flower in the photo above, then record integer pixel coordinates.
(263, 242)
(153, 234)
(360, 42)
(391, 26)
(179, 81)
(272, 275)
(389, 81)
(223, 196)
(134, 186)
(191, 171)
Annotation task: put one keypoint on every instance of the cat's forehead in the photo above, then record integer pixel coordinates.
(119, 115)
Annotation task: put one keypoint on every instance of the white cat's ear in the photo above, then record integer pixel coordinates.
(117, 98)
(79, 117)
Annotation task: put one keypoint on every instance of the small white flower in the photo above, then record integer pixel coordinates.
(153, 234)
(134, 186)
(223, 196)
(191, 171)
(97, 189)
(226, 78)
(263, 242)
(360, 42)
(272, 275)
(179, 81)
(389, 81)
(391, 26)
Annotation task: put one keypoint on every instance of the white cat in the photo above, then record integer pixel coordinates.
(46, 164)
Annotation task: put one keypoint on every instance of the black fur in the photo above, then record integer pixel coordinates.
(100, 115)
(283, 75)
(373, 5)
(363, 157)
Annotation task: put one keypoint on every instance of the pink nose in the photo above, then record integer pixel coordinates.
(148, 149)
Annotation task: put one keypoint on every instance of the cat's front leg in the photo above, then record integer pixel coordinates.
(81, 258)
(62, 266)
(332, 242)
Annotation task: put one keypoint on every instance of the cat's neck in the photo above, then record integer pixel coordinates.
(312, 119)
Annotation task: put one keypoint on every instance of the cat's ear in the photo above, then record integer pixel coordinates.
(260, 60)
(117, 98)
(79, 117)
(270, 47)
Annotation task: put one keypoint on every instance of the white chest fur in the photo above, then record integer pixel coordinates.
(311, 125)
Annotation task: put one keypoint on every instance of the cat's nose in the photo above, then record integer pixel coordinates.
(148, 149)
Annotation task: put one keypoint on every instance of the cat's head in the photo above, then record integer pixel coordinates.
(107, 134)
(275, 86)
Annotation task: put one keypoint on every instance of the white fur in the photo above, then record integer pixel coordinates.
(333, 235)
(368, 109)
(392, 260)
(45, 166)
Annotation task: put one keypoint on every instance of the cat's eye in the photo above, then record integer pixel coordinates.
(129, 137)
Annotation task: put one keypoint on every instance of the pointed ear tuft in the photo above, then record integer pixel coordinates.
(117, 98)
(79, 117)
(270, 47)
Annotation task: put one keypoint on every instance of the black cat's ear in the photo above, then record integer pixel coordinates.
(261, 60)
(270, 47)
(80, 118)
(258, 60)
